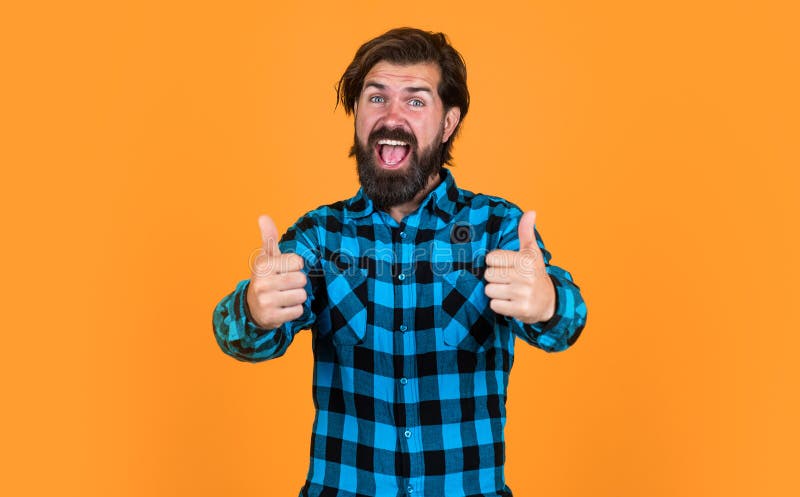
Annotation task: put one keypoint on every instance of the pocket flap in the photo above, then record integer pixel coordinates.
(347, 301)
(466, 319)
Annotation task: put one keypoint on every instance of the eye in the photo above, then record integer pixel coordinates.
(416, 102)
(376, 99)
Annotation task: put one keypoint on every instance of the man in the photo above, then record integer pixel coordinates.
(414, 291)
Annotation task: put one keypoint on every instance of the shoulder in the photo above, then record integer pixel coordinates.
(308, 235)
(328, 217)
(492, 205)
(326, 212)
(497, 216)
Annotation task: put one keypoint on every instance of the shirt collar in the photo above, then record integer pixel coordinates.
(441, 201)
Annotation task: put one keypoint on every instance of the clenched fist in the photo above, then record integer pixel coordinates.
(517, 282)
(277, 286)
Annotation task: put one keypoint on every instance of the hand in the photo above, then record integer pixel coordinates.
(277, 286)
(517, 282)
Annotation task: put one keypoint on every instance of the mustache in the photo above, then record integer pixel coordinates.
(391, 134)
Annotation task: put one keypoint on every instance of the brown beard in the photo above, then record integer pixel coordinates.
(390, 188)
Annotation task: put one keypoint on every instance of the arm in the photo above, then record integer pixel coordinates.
(235, 329)
(561, 330)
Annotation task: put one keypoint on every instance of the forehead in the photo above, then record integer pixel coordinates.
(408, 75)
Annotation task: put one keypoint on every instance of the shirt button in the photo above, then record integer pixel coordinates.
(403, 234)
(407, 434)
(401, 277)
(403, 381)
(410, 489)
(403, 327)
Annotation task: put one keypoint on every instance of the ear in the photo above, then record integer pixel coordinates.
(451, 118)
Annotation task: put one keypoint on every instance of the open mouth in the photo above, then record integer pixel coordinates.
(392, 153)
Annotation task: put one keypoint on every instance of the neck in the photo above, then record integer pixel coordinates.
(400, 211)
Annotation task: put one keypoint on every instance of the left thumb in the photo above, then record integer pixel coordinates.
(527, 239)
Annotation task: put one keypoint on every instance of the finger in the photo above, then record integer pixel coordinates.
(284, 314)
(504, 307)
(502, 258)
(530, 262)
(499, 291)
(269, 235)
(287, 263)
(290, 280)
(497, 274)
(293, 312)
(289, 298)
(527, 238)
(263, 265)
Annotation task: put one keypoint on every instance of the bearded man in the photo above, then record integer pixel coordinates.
(414, 291)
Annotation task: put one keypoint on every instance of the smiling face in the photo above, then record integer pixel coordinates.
(400, 127)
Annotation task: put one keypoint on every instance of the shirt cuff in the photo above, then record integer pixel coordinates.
(550, 335)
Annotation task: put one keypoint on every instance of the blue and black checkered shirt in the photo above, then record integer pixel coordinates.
(410, 363)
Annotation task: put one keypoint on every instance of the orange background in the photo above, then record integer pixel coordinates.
(658, 142)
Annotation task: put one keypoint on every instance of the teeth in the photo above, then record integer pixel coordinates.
(392, 142)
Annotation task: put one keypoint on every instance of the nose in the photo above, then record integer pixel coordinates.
(395, 117)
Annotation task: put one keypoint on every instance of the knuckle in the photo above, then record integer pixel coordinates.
(266, 284)
(264, 301)
(281, 264)
(260, 270)
(257, 261)
(257, 285)
(293, 298)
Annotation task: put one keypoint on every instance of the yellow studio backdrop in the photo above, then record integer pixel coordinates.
(657, 141)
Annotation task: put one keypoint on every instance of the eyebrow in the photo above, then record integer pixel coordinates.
(409, 89)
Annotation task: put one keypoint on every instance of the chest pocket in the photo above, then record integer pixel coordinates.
(466, 319)
(347, 303)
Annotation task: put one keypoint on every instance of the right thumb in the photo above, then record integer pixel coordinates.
(269, 235)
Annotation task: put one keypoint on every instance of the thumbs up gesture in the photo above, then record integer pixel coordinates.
(277, 286)
(517, 282)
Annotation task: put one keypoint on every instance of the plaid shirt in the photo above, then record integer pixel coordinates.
(410, 363)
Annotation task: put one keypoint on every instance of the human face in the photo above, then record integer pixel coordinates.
(403, 100)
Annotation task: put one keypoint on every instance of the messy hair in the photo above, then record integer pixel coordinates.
(404, 46)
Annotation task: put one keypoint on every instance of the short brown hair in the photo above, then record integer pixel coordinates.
(410, 46)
